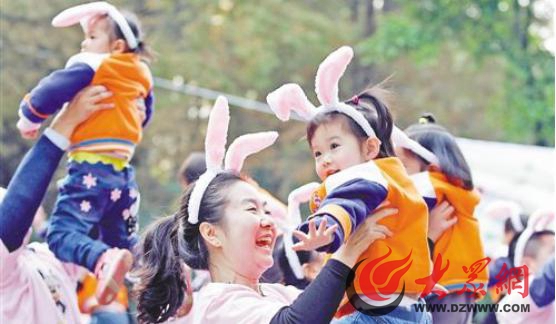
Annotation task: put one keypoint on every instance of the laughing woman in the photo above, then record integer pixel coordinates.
(234, 240)
(223, 226)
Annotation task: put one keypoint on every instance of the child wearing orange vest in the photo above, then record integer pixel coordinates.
(355, 160)
(448, 178)
(100, 193)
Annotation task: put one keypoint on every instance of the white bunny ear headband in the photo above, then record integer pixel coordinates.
(82, 14)
(400, 139)
(295, 198)
(504, 209)
(541, 220)
(215, 149)
(290, 97)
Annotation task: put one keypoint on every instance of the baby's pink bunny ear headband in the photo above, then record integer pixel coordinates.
(215, 150)
(295, 198)
(83, 13)
(290, 97)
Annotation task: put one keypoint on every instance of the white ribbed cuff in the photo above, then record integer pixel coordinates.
(59, 140)
(25, 125)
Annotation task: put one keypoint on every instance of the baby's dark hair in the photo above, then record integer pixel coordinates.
(373, 104)
(161, 288)
(439, 141)
(143, 49)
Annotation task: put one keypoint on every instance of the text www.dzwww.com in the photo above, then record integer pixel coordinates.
(464, 308)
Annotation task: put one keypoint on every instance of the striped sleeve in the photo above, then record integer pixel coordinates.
(352, 195)
(53, 91)
(58, 88)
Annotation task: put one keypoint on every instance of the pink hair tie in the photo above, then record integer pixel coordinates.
(355, 100)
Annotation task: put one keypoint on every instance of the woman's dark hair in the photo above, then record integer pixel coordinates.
(439, 141)
(143, 49)
(372, 103)
(161, 288)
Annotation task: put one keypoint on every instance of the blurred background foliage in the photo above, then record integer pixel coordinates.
(485, 68)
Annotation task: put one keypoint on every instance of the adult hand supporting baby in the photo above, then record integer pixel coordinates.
(364, 236)
(83, 105)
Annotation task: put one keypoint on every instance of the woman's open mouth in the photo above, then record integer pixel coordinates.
(265, 241)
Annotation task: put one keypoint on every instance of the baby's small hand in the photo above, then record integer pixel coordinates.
(27, 129)
(29, 135)
(316, 237)
(441, 217)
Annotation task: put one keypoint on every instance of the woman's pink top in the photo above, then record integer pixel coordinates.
(234, 303)
(35, 287)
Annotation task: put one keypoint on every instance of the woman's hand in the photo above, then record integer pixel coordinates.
(441, 218)
(83, 105)
(316, 237)
(364, 236)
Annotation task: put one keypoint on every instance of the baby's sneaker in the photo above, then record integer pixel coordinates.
(110, 270)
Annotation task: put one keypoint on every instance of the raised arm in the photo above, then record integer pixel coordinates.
(346, 207)
(319, 301)
(30, 181)
(56, 89)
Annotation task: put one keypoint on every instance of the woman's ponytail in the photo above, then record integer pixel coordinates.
(161, 289)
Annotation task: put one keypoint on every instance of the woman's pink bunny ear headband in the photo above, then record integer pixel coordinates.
(400, 139)
(541, 220)
(215, 151)
(295, 198)
(290, 97)
(83, 13)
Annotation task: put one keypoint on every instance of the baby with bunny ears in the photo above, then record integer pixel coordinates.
(354, 157)
(100, 190)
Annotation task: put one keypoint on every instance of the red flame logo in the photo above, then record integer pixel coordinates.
(380, 278)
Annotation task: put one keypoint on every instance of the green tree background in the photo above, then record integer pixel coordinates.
(482, 67)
